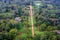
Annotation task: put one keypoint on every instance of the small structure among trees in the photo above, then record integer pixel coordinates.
(18, 19)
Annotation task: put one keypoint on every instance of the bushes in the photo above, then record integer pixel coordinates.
(25, 33)
(45, 27)
(23, 37)
(38, 36)
(8, 30)
(51, 28)
(58, 37)
(45, 36)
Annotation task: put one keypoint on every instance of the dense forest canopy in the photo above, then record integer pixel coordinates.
(15, 19)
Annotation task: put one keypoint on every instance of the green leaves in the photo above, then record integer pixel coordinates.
(43, 27)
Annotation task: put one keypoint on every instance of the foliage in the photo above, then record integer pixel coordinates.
(46, 21)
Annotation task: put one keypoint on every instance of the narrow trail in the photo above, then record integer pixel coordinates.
(31, 18)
